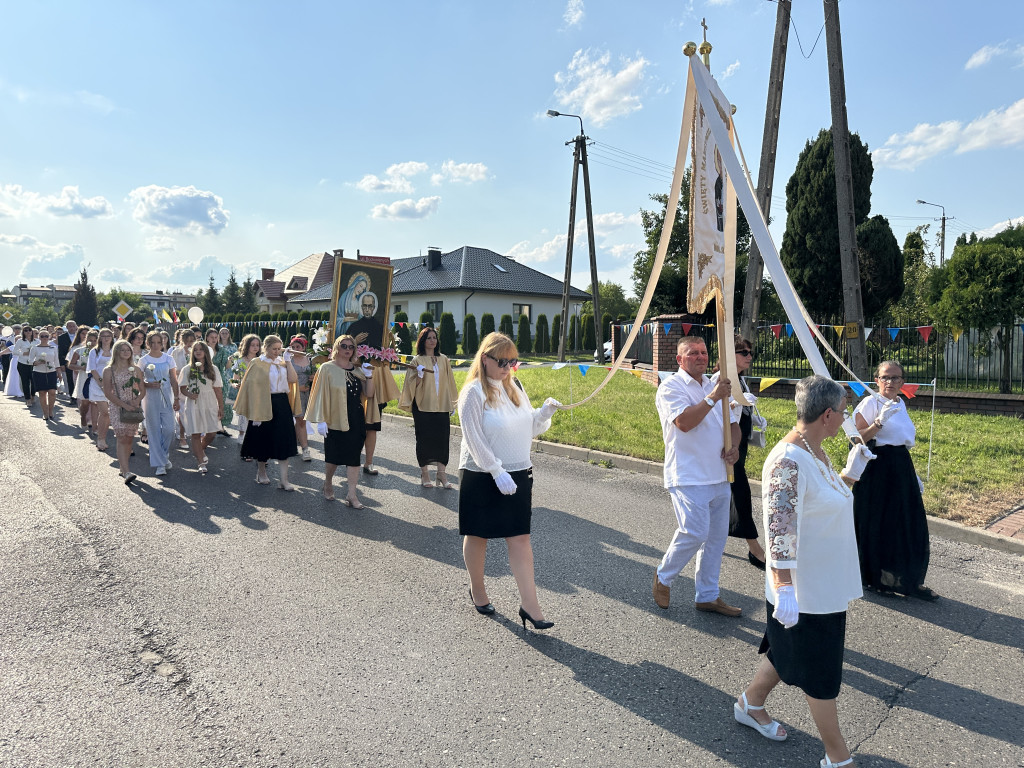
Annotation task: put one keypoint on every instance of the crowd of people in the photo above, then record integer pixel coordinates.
(828, 534)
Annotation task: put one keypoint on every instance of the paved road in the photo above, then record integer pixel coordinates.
(208, 621)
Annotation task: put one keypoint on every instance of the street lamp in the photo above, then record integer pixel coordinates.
(942, 246)
(580, 159)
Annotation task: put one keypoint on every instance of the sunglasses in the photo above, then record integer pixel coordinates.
(747, 352)
(346, 346)
(505, 363)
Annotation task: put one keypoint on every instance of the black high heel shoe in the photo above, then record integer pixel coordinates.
(483, 610)
(756, 561)
(537, 623)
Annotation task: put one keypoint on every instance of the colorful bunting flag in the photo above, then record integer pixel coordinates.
(789, 330)
(909, 389)
(584, 368)
(925, 331)
(839, 330)
(893, 333)
(957, 333)
(867, 333)
(668, 327)
(662, 375)
(859, 389)
(686, 328)
(558, 366)
(767, 382)
(776, 330)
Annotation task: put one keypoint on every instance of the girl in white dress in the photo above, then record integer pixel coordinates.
(202, 396)
(77, 359)
(99, 358)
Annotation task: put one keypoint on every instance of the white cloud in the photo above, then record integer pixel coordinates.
(464, 173)
(179, 208)
(396, 178)
(115, 276)
(161, 244)
(45, 263)
(193, 274)
(15, 201)
(407, 209)
(573, 15)
(730, 70)
(625, 251)
(606, 222)
(998, 128)
(984, 55)
(995, 229)
(553, 248)
(96, 101)
(592, 89)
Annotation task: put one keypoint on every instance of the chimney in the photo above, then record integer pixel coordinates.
(268, 274)
(433, 259)
(339, 253)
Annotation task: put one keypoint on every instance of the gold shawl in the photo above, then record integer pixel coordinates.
(253, 399)
(441, 399)
(328, 400)
(385, 390)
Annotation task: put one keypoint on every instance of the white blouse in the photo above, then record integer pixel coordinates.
(278, 375)
(98, 361)
(47, 354)
(21, 349)
(808, 520)
(898, 430)
(497, 438)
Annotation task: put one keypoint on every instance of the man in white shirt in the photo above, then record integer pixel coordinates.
(690, 410)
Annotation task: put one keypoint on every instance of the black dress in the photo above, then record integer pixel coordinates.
(342, 448)
(274, 439)
(891, 523)
(433, 429)
(743, 526)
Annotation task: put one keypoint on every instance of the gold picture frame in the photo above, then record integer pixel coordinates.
(355, 282)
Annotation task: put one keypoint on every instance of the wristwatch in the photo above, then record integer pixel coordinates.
(709, 401)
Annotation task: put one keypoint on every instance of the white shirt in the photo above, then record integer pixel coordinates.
(808, 523)
(21, 348)
(278, 375)
(98, 361)
(47, 354)
(694, 457)
(180, 356)
(497, 438)
(897, 430)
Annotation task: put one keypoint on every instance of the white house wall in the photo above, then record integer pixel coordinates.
(479, 304)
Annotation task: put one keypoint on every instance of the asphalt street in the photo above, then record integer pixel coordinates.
(209, 621)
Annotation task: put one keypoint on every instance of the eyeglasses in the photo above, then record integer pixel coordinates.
(505, 363)
(346, 346)
(890, 379)
(748, 352)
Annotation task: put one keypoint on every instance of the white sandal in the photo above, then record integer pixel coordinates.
(825, 762)
(770, 731)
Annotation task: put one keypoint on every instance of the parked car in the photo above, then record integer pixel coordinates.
(607, 353)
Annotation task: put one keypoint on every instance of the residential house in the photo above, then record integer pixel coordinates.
(275, 290)
(168, 300)
(58, 295)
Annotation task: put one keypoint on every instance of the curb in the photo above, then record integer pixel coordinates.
(946, 529)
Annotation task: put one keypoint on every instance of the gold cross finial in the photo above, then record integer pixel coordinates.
(704, 23)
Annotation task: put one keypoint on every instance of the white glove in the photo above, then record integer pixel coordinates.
(321, 429)
(548, 409)
(255, 423)
(857, 461)
(751, 398)
(887, 411)
(419, 371)
(367, 370)
(505, 483)
(920, 485)
(786, 612)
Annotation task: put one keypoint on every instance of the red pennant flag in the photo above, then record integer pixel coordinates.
(174, 314)
(925, 331)
(909, 389)
(686, 328)
(777, 330)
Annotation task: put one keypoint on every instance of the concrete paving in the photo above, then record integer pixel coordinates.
(209, 621)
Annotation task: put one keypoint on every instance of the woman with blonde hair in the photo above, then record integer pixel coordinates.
(201, 388)
(248, 350)
(339, 389)
(161, 375)
(122, 385)
(496, 480)
(429, 392)
(269, 399)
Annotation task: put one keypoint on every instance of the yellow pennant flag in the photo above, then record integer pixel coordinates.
(839, 330)
(957, 333)
(767, 382)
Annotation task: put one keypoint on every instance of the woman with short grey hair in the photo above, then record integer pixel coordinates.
(813, 572)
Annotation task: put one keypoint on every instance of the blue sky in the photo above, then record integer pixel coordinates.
(160, 142)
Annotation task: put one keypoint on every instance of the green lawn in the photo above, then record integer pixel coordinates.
(977, 461)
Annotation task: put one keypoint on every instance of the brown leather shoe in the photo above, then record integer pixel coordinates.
(660, 592)
(719, 606)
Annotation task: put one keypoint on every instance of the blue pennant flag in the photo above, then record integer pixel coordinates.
(584, 368)
(789, 329)
(668, 327)
(893, 333)
(857, 387)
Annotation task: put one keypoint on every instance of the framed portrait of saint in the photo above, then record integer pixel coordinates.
(361, 301)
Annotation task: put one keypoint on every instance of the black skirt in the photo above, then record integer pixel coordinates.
(432, 432)
(486, 512)
(43, 382)
(342, 448)
(892, 528)
(743, 526)
(810, 654)
(375, 427)
(274, 439)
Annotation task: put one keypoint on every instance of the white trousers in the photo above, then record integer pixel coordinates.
(702, 512)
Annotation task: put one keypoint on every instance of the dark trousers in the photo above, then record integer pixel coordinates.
(25, 372)
(69, 377)
(5, 364)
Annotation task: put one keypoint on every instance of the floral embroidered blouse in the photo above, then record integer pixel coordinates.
(809, 529)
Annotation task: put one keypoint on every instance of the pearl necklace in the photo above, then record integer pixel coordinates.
(823, 465)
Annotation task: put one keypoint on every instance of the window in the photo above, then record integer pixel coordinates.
(398, 308)
(435, 308)
(521, 309)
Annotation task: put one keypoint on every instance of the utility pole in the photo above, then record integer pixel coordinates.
(579, 158)
(852, 303)
(942, 241)
(766, 168)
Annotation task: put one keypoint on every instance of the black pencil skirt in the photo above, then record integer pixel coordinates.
(274, 439)
(486, 512)
(810, 654)
(433, 429)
